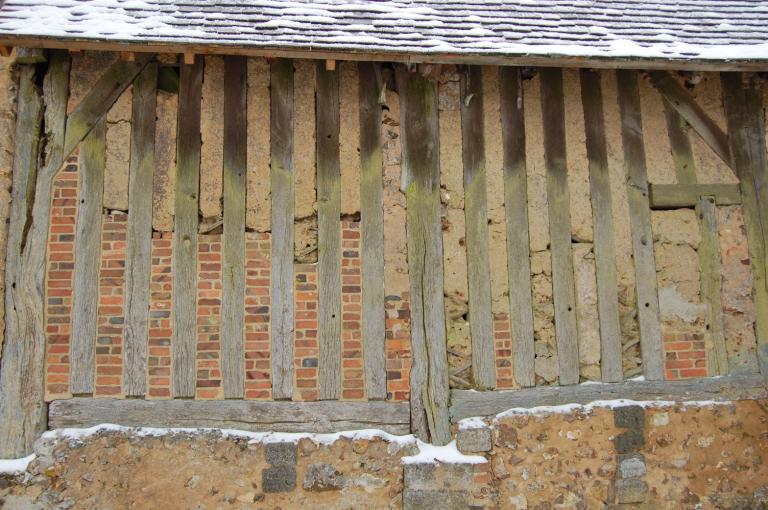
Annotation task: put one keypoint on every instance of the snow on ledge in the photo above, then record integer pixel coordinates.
(15, 466)
(448, 454)
(252, 437)
(605, 404)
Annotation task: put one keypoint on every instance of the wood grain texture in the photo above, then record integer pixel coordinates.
(184, 341)
(516, 209)
(233, 269)
(372, 231)
(602, 214)
(743, 108)
(283, 192)
(420, 150)
(680, 143)
(677, 97)
(328, 232)
(711, 275)
(465, 404)
(85, 294)
(31, 55)
(640, 225)
(317, 417)
(22, 404)
(558, 200)
(476, 214)
(138, 260)
(675, 196)
(104, 93)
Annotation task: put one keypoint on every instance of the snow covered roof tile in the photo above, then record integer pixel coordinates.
(706, 30)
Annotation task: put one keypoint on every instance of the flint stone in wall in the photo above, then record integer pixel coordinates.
(323, 477)
(281, 454)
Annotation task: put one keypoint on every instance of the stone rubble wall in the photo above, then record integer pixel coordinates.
(669, 456)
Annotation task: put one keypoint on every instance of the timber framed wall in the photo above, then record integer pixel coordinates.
(364, 242)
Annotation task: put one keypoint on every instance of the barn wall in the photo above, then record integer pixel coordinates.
(676, 238)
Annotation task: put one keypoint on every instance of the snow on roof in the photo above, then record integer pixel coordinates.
(716, 30)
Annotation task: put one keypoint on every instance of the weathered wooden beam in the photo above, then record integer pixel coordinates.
(676, 196)
(558, 200)
(476, 213)
(328, 232)
(372, 232)
(22, 364)
(184, 340)
(317, 417)
(682, 62)
(709, 261)
(22, 373)
(420, 149)
(104, 93)
(31, 56)
(744, 112)
(233, 269)
(516, 210)
(694, 114)
(680, 143)
(138, 259)
(85, 295)
(640, 225)
(466, 404)
(602, 214)
(283, 193)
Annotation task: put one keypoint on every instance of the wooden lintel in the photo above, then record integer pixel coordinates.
(319, 417)
(679, 99)
(676, 196)
(128, 56)
(467, 403)
(674, 64)
(330, 65)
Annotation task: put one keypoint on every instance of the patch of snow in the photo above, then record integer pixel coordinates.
(472, 423)
(15, 466)
(605, 404)
(448, 454)
(253, 437)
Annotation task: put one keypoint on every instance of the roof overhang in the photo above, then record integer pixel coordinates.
(319, 53)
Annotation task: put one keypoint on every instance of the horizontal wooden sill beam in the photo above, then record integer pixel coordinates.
(253, 416)
(468, 403)
(675, 196)
(678, 64)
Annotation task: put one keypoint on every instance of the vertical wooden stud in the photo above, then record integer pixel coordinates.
(516, 209)
(283, 192)
(138, 262)
(743, 108)
(563, 286)
(429, 373)
(329, 232)
(602, 216)
(475, 210)
(233, 270)
(87, 259)
(640, 224)
(372, 227)
(184, 343)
